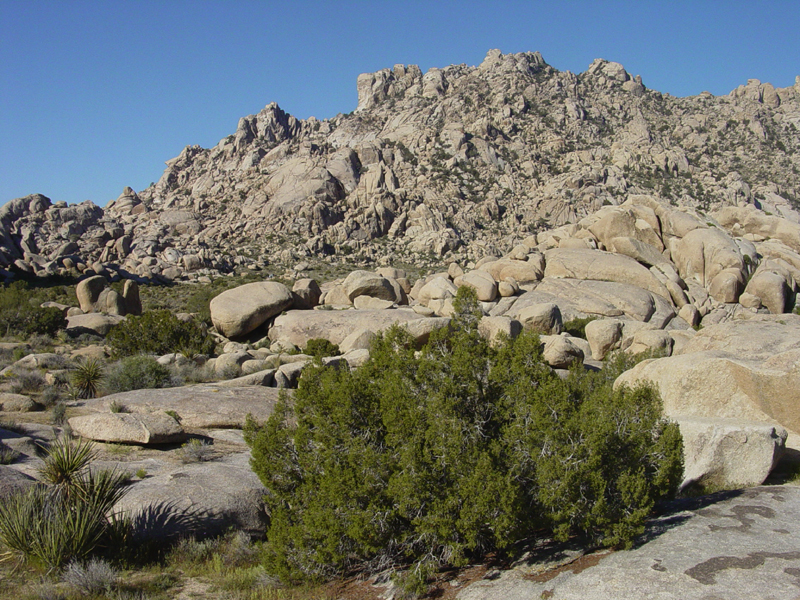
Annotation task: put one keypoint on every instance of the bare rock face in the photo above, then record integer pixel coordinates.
(239, 311)
(306, 294)
(297, 327)
(603, 336)
(143, 428)
(542, 318)
(729, 453)
(560, 352)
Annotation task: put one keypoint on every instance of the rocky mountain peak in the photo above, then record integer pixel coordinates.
(457, 163)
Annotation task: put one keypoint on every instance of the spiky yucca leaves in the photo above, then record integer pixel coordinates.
(69, 516)
(87, 377)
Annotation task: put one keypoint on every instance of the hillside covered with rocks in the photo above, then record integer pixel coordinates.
(454, 164)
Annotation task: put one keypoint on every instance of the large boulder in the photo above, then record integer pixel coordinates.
(582, 298)
(144, 428)
(705, 253)
(522, 271)
(480, 281)
(198, 406)
(729, 453)
(365, 283)
(497, 329)
(560, 352)
(603, 336)
(595, 265)
(297, 327)
(542, 318)
(239, 311)
(202, 499)
(92, 323)
(306, 294)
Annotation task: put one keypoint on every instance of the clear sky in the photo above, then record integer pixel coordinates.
(96, 95)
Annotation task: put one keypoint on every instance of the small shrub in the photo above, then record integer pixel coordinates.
(7, 455)
(577, 327)
(137, 373)
(87, 377)
(21, 315)
(321, 348)
(141, 473)
(58, 414)
(90, 578)
(158, 332)
(30, 380)
(195, 450)
(174, 415)
(117, 407)
(50, 396)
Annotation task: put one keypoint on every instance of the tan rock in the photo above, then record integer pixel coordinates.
(560, 352)
(239, 311)
(542, 318)
(603, 336)
(495, 329)
(141, 428)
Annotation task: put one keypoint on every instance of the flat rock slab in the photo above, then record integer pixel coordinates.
(203, 498)
(299, 326)
(198, 406)
(143, 428)
(733, 545)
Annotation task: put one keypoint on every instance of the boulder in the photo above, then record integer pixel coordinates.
(229, 364)
(239, 311)
(198, 406)
(483, 284)
(13, 482)
(704, 253)
(306, 294)
(601, 266)
(88, 292)
(144, 428)
(364, 283)
(495, 329)
(288, 374)
(560, 353)
(92, 323)
(715, 385)
(542, 318)
(603, 336)
(265, 377)
(438, 288)
(651, 340)
(372, 303)
(337, 296)
(16, 403)
(522, 271)
(729, 453)
(773, 290)
(297, 327)
(202, 499)
(130, 293)
(360, 339)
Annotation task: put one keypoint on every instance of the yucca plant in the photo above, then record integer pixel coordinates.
(87, 377)
(68, 516)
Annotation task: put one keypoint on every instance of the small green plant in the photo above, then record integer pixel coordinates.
(159, 332)
(141, 473)
(577, 327)
(117, 407)
(174, 415)
(87, 377)
(321, 348)
(137, 373)
(7, 455)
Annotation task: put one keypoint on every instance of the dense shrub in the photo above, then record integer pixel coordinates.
(443, 456)
(137, 373)
(158, 332)
(321, 348)
(577, 327)
(21, 315)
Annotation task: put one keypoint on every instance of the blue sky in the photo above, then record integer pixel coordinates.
(96, 95)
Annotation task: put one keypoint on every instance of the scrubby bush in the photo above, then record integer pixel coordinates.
(442, 456)
(91, 577)
(21, 315)
(137, 373)
(577, 327)
(158, 332)
(321, 348)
